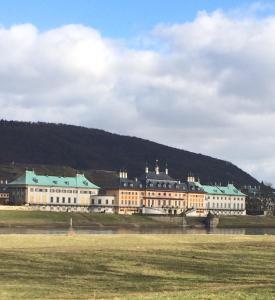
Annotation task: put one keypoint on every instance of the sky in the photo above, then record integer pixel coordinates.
(197, 75)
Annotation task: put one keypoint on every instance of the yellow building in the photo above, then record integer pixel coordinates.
(154, 192)
(127, 194)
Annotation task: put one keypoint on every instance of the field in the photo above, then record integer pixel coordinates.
(137, 267)
(62, 219)
(247, 221)
(39, 219)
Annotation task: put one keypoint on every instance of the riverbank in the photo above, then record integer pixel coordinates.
(246, 222)
(137, 267)
(62, 220)
(40, 219)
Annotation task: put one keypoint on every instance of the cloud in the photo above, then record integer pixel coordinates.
(206, 86)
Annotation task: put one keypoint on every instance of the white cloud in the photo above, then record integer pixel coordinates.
(209, 88)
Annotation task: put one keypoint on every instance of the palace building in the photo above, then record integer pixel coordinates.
(155, 192)
(53, 192)
(221, 200)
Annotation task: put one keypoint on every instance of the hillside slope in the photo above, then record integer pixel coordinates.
(82, 148)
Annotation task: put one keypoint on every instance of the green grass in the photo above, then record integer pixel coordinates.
(62, 219)
(246, 221)
(137, 267)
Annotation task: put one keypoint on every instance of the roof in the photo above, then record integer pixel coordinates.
(155, 176)
(230, 189)
(31, 178)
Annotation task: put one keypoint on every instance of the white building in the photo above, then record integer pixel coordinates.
(52, 192)
(224, 200)
(103, 204)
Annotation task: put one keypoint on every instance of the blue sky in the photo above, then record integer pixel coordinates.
(113, 18)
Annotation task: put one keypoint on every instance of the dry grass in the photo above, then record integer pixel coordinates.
(137, 267)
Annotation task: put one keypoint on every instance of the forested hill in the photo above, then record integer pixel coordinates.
(82, 148)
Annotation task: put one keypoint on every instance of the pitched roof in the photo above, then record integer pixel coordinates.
(230, 189)
(31, 178)
(155, 176)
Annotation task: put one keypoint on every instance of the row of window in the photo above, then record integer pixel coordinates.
(225, 198)
(225, 205)
(63, 200)
(129, 193)
(129, 202)
(100, 201)
(42, 190)
(165, 203)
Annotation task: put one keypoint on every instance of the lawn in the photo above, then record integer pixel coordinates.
(62, 219)
(137, 267)
(247, 221)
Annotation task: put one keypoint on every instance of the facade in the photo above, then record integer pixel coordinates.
(155, 192)
(4, 194)
(53, 192)
(162, 194)
(223, 200)
(126, 193)
(103, 204)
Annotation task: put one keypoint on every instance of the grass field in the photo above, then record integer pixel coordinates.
(137, 267)
(62, 219)
(247, 221)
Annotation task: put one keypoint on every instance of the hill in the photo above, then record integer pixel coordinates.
(27, 144)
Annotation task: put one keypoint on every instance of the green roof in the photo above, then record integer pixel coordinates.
(230, 189)
(31, 178)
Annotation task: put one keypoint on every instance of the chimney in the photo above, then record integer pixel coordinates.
(120, 174)
(157, 168)
(146, 169)
(190, 178)
(166, 169)
(125, 175)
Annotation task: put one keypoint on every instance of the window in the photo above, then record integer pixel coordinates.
(99, 201)
(107, 202)
(57, 199)
(63, 199)
(69, 200)
(112, 201)
(93, 201)
(74, 200)
(51, 199)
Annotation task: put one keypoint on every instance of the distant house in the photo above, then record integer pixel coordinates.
(4, 194)
(53, 192)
